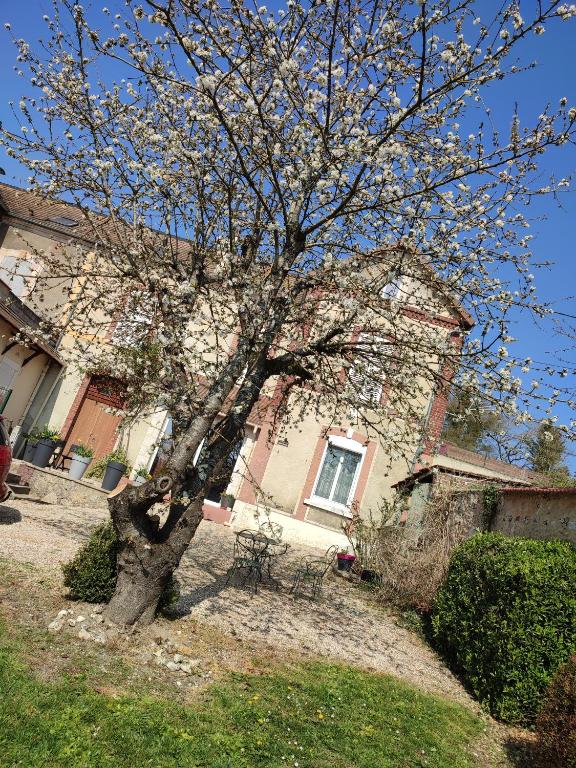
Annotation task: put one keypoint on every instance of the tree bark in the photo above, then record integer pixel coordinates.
(144, 567)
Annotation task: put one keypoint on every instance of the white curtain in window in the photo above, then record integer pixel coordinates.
(337, 475)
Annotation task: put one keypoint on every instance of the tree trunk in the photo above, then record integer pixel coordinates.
(148, 554)
(142, 576)
(144, 568)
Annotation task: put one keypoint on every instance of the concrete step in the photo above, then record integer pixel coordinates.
(19, 490)
(13, 477)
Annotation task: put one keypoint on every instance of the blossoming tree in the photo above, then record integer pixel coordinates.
(253, 181)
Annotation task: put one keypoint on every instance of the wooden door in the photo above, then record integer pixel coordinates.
(96, 426)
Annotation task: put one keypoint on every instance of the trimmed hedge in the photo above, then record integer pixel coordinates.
(556, 724)
(505, 619)
(91, 575)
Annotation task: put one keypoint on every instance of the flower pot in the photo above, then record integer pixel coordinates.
(345, 562)
(78, 466)
(370, 576)
(29, 450)
(43, 453)
(113, 474)
(139, 480)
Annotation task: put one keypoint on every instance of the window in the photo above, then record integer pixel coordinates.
(338, 475)
(367, 374)
(18, 271)
(392, 287)
(134, 324)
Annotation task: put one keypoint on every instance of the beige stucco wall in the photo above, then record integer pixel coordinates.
(530, 514)
(140, 439)
(537, 515)
(288, 464)
(25, 248)
(26, 379)
(57, 407)
(294, 531)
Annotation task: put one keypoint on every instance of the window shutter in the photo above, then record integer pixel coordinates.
(133, 326)
(367, 377)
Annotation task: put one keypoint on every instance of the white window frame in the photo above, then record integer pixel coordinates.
(346, 444)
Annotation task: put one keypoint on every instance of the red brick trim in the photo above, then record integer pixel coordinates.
(440, 401)
(216, 514)
(432, 319)
(301, 508)
(75, 408)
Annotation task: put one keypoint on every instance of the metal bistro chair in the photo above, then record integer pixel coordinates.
(59, 458)
(276, 546)
(249, 549)
(272, 530)
(313, 570)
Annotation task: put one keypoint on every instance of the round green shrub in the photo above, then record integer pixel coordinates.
(91, 575)
(556, 723)
(505, 619)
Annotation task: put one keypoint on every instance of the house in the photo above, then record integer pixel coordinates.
(308, 476)
(453, 467)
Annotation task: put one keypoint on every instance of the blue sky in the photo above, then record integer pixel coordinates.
(553, 226)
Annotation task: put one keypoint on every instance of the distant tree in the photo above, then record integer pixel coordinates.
(546, 450)
(470, 422)
(477, 424)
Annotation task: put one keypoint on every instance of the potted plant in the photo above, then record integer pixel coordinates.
(345, 560)
(141, 476)
(81, 458)
(227, 500)
(116, 466)
(31, 443)
(47, 441)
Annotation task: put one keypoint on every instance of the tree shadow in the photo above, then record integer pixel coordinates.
(521, 751)
(190, 598)
(9, 515)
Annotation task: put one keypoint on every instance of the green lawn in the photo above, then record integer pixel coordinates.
(311, 715)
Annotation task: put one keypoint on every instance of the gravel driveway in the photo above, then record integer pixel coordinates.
(343, 625)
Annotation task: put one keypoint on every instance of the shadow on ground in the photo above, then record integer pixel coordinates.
(9, 515)
(521, 752)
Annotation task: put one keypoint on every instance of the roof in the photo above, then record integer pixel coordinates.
(455, 452)
(451, 459)
(31, 207)
(561, 490)
(81, 223)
